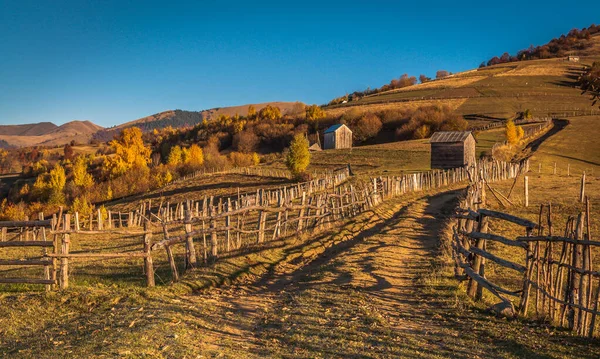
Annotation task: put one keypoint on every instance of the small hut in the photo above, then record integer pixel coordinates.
(451, 149)
(572, 58)
(336, 137)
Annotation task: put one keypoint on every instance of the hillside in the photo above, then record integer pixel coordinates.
(48, 134)
(545, 87)
(180, 118)
(33, 129)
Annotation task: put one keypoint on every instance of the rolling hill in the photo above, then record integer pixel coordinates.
(33, 129)
(47, 134)
(546, 87)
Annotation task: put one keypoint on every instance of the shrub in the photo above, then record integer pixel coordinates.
(246, 141)
(239, 159)
(368, 126)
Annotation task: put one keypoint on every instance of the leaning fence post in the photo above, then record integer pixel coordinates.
(527, 276)
(148, 265)
(482, 227)
(582, 191)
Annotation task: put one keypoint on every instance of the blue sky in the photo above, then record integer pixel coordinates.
(116, 61)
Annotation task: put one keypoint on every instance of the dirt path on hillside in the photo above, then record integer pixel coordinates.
(378, 294)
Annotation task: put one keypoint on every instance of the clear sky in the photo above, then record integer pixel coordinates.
(116, 61)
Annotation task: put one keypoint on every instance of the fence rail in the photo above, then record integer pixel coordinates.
(211, 228)
(557, 274)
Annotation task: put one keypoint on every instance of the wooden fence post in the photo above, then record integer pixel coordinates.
(526, 182)
(582, 191)
(77, 221)
(482, 227)
(213, 233)
(189, 239)
(100, 220)
(64, 261)
(148, 265)
(170, 257)
(228, 225)
(301, 214)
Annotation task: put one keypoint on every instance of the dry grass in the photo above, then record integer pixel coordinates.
(197, 188)
(450, 82)
(452, 103)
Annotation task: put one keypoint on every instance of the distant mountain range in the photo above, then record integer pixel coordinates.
(180, 118)
(49, 134)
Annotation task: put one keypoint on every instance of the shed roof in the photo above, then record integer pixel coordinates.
(449, 136)
(335, 128)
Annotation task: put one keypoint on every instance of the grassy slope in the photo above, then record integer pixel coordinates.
(543, 86)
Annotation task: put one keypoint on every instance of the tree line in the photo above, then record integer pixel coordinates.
(575, 40)
(403, 81)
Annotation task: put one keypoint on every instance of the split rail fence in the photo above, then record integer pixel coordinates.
(208, 229)
(556, 269)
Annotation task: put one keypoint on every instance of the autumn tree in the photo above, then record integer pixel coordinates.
(130, 152)
(68, 152)
(246, 141)
(175, 156)
(49, 186)
(251, 111)
(513, 133)
(441, 74)
(314, 113)
(368, 126)
(271, 113)
(81, 177)
(298, 157)
(424, 79)
(195, 156)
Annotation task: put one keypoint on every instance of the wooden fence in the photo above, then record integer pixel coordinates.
(556, 270)
(211, 228)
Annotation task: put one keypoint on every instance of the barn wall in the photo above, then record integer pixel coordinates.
(447, 155)
(469, 151)
(343, 138)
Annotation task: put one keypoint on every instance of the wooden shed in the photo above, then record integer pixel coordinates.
(451, 149)
(337, 136)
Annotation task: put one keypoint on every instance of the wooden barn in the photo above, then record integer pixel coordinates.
(337, 136)
(452, 149)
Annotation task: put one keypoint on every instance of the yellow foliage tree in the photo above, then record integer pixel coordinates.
(271, 113)
(255, 159)
(513, 133)
(195, 156)
(175, 156)
(81, 177)
(251, 111)
(314, 113)
(298, 157)
(83, 206)
(130, 151)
